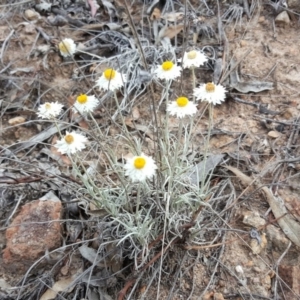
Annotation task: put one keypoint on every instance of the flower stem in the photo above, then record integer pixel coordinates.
(194, 83)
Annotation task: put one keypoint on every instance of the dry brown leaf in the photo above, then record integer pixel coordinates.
(156, 14)
(135, 113)
(145, 129)
(93, 6)
(173, 16)
(59, 286)
(170, 31)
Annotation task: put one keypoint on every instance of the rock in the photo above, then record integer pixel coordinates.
(257, 246)
(266, 281)
(283, 18)
(31, 15)
(290, 113)
(274, 134)
(291, 276)
(32, 232)
(294, 4)
(16, 120)
(253, 219)
(277, 238)
(218, 296)
(243, 43)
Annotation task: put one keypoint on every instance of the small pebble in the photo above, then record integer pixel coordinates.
(16, 120)
(274, 134)
(283, 19)
(31, 15)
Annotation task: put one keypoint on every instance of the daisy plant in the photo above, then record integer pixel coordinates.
(67, 47)
(143, 198)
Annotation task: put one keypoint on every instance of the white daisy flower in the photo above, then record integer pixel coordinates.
(140, 168)
(182, 107)
(67, 47)
(210, 92)
(111, 80)
(168, 71)
(85, 104)
(49, 110)
(71, 143)
(193, 59)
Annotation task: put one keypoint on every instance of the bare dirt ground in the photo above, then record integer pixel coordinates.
(253, 251)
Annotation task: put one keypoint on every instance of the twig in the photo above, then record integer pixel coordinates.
(17, 3)
(246, 8)
(232, 68)
(15, 209)
(278, 122)
(4, 44)
(277, 265)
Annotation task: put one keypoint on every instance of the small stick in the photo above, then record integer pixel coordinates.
(4, 44)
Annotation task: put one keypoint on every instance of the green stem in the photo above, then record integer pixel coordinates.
(128, 136)
(210, 124)
(167, 138)
(194, 83)
(138, 201)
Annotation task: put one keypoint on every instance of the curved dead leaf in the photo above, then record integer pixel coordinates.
(170, 31)
(59, 286)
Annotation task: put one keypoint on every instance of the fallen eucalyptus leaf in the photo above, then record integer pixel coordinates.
(201, 170)
(89, 254)
(93, 6)
(43, 7)
(62, 285)
(246, 87)
(110, 9)
(173, 16)
(170, 31)
(218, 69)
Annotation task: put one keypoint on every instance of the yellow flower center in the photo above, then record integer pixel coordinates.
(47, 105)
(110, 74)
(182, 101)
(64, 47)
(210, 87)
(192, 54)
(139, 162)
(167, 65)
(82, 99)
(69, 139)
